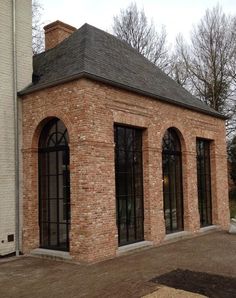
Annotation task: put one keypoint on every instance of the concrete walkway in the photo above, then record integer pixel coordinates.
(126, 276)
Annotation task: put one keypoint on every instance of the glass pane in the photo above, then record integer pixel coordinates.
(122, 209)
(60, 162)
(121, 184)
(44, 234)
(50, 129)
(43, 187)
(44, 210)
(52, 187)
(132, 229)
(63, 210)
(61, 141)
(53, 210)
(167, 211)
(171, 142)
(121, 161)
(204, 182)
(66, 184)
(174, 216)
(63, 235)
(61, 127)
(129, 141)
(43, 158)
(129, 161)
(129, 184)
(122, 233)
(52, 140)
(172, 182)
(139, 206)
(61, 187)
(131, 218)
(138, 141)
(120, 138)
(53, 235)
(52, 163)
(66, 137)
(139, 227)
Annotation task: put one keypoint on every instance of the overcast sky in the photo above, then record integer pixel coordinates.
(176, 15)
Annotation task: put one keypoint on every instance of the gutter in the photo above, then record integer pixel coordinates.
(30, 89)
(16, 129)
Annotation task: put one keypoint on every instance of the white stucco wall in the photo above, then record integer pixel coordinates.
(24, 72)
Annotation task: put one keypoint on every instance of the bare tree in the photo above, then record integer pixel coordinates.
(177, 68)
(209, 62)
(37, 31)
(132, 26)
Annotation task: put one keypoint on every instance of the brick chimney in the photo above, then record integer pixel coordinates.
(56, 32)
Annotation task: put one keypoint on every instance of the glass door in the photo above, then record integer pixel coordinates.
(129, 184)
(54, 187)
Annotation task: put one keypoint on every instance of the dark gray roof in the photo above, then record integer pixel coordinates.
(95, 54)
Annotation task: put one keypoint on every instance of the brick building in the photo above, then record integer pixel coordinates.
(114, 151)
(15, 74)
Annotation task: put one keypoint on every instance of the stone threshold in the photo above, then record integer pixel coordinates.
(209, 228)
(186, 234)
(122, 250)
(177, 235)
(51, 254)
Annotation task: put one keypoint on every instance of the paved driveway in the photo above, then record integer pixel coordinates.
(126, 276)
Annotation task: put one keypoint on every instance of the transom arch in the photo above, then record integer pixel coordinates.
(180, 132)
(41, 121)
(171, 142)
(54, 134)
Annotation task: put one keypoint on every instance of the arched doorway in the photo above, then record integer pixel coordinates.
(172, 181)
(54, 186)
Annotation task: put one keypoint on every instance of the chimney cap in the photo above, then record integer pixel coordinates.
(58, 23)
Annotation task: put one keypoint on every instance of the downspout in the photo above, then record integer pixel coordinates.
(16, 129)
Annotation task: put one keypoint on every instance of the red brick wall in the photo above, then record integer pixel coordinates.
(56, 32)
(89, 111)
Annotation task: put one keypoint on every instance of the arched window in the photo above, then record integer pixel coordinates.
(172, 181)
(54, 186)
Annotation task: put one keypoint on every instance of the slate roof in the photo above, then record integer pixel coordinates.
(95, 54)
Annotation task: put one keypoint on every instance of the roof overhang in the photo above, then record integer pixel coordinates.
(33, 88)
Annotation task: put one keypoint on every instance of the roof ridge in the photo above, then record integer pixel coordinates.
(85, 27)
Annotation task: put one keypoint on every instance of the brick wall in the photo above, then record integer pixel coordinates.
(56, 32)
(89, 111)
(24, 71)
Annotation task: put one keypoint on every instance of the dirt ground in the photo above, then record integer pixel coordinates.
(133, 275)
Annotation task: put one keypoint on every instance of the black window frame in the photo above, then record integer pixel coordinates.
(54, 142)
(138, 219)
(172, 158)
(204, 183)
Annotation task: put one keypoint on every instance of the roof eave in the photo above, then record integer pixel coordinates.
(91, 76)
